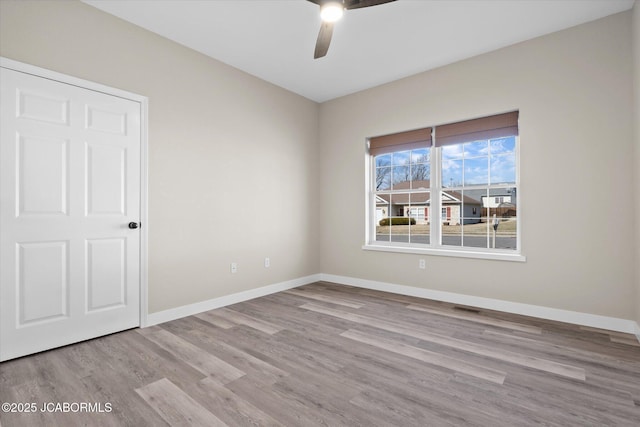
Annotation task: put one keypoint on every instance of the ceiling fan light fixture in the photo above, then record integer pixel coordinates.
(331, 11)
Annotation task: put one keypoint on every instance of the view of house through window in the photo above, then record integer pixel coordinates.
(475, 186)
(479, 192)
(402, 196)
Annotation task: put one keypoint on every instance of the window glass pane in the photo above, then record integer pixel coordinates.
(501, 216)
(451, 234)
(450, 219)
(476, 171)
(383, 179)
(471, 206)
(401, 177)
(475, 149)
(418, 211)
(506, 234)
(452, 151)
(501, 201)
(474, 228)
(463, 224)
(383, 203)
(510, 204)
(419, 201)
(399, 224)
(451, 173)
(503, 145)
(420, 156)
(401, 158)
(412, 216)
(503, 168)
(383, 160)
(420, 175)
(475, 233)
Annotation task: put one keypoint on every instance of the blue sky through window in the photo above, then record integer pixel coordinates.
(479, 163)
(486, 162)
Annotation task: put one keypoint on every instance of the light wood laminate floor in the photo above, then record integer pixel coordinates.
(332, 355)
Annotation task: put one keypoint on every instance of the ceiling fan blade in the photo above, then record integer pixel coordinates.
(357, 4)
(315, 1)
(324, 39)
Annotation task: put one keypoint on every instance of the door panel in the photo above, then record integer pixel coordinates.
(106, 273)
(106, 179)
(43, 107)
(106, 121)
(43, 282)
(69, 185)
(42, 176)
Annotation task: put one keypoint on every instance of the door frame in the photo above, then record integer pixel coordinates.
(144, 123)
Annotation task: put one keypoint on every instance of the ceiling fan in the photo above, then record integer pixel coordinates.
(330, 12)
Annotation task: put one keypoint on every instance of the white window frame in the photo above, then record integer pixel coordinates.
(435, 248)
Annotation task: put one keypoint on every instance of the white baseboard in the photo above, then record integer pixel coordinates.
(574, 317)
(199, 307)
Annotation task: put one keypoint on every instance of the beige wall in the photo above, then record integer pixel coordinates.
(636, 119)
(573, 89)
(219, 140)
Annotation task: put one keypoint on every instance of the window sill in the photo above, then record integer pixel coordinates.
(498, 256)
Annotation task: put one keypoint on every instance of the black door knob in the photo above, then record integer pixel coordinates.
(133, 225)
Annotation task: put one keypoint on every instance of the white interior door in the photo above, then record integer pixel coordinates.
(69, 187)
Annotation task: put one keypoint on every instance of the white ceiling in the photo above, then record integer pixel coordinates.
(274, 39)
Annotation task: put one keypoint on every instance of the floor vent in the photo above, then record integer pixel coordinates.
(467, 309)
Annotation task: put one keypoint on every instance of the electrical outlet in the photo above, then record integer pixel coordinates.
(267, 262)
(234, 267)
(422, 264)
